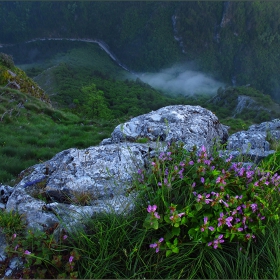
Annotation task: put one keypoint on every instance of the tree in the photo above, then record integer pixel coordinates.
(96, 105)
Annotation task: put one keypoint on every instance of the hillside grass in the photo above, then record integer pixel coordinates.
(32, 132)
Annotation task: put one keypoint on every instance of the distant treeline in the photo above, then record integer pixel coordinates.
(236, 41)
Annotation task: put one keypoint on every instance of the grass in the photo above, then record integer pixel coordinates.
(111, 246)
(35, 133)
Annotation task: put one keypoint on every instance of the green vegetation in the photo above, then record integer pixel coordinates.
(92, 102)
(235, 40)
(196, 217)
(34, 132)
(207, 217)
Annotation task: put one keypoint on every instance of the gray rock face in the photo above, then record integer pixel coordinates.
(248, 103)
(95, 178)
(193, 125)
(5, 192)
(254, 141)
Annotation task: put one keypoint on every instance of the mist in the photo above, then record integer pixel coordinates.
(180, 79)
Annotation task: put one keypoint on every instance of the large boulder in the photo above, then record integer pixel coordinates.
(76, 183)
(192, 125)
(255, 142)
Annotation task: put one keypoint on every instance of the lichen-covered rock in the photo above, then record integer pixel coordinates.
(95, 178)
(192, 125)
(254, 142)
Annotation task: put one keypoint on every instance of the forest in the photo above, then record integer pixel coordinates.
(236, 41)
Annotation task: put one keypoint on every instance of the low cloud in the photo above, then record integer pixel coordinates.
(180, 80)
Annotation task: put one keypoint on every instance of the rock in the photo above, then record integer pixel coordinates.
(5, 192)
(254, 141)
(96, 178)
(15, 265)
(3, 246)
(192, 125)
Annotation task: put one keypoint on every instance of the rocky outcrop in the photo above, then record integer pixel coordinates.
(76, 183)
(192, 125)
(255, 142)
(245, 102)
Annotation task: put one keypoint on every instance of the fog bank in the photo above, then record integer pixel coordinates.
(181, 80)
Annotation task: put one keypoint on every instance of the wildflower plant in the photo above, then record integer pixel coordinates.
(207, 199)
(43, 256)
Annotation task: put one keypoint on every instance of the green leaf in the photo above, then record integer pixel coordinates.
(169, 244)
(167, 219)
(215, 172)
(183, 221)
(38, 262)
(192, 232)
(231, 237)
(168, 253)
(191, 214)
(198, 206)
(175, 250)
(155, 224)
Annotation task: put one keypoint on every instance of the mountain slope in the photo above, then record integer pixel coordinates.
(237, 42)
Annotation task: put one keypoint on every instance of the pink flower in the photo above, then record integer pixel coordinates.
(157, 244)
(211, 228)
(203, 149)
(205, 220)
(71, 259)
(64, 237)
(26, 252)
(151, 208)
(228, 221)
(157, 215)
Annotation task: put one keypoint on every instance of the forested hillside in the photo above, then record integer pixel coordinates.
(238, 42)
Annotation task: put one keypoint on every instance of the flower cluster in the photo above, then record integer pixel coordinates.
(220, 200)
(43, 252)
(157, 244)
